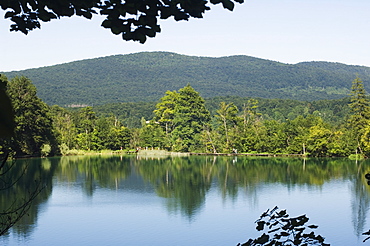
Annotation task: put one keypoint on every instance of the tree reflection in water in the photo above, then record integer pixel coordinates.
(25, 185)
(184, 182)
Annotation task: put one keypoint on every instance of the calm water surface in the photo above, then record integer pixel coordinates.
(194, 200)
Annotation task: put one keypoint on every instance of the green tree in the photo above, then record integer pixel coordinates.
(228, 120)
(152, 135)
(85, 122)
(183, 116)
(250, 112)
(190, 119)
(341, 143)
(32, 117)
(64, 126)
(318, 140)
(118, 137)
(7, 123)
(273, 139)
(359, 119)
(210, 140)
(360, 106)
(297, 131)
(165, 111)
(252, 127)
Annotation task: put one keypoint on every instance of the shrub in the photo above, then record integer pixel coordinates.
(45, 150)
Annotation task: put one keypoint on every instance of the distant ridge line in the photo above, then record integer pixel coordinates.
(146, 76)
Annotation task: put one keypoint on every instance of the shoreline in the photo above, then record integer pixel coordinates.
(156, 153)
(249, 154)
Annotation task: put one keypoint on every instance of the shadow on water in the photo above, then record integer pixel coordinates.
(184, 182)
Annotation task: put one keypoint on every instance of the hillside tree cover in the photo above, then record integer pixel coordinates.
(332, 111)
(143, 77)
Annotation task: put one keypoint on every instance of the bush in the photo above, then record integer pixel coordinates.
(64, 149)
(45, 150)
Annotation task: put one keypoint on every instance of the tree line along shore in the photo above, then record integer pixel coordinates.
(183, 121)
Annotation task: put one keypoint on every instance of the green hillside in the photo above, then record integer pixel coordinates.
(146, 76)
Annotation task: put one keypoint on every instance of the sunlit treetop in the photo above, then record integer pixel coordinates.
(133, 19)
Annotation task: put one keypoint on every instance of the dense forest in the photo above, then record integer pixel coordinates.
(183, 121)
(146, 76)
(333, 111)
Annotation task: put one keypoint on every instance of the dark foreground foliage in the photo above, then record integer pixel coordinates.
(280, 229)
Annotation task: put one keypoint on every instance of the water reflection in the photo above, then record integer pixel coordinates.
(19, 182)
(360, 198)
(184, 182)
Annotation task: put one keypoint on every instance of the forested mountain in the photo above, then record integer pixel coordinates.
(146, 76)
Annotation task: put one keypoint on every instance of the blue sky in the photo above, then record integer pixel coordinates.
(288, 31)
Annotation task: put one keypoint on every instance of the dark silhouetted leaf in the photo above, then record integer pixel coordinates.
(260, 225)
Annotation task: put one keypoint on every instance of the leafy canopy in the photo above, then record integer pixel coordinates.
(135, 20)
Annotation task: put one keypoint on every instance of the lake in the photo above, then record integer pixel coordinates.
(195, 200)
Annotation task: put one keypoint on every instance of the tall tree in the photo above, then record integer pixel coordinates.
(64, 126)
(112, 134)
(318, 139)
(190, 119)
(250, 112)
(32, 117)
(152, 135)
(85, 122)
(360, 105)
(227, 116)
(7, 123)
(165, 111)
(359, 119)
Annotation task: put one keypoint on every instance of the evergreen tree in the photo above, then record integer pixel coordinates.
(359, 120)
(360, 106)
